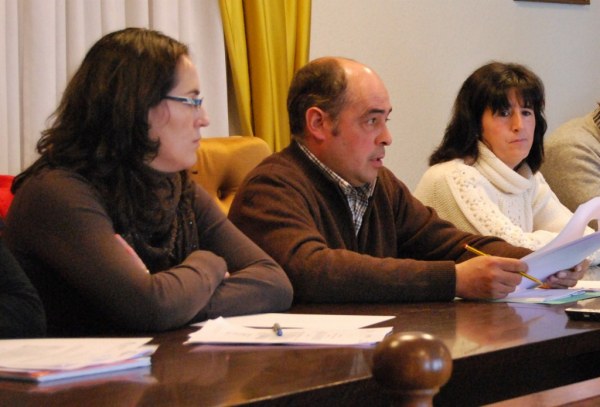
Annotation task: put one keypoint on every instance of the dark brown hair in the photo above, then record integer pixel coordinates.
(100, 128)
(487, 87)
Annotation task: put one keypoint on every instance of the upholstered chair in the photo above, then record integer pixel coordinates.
(224, 162)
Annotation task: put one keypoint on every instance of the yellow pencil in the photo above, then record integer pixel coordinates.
(480, 253)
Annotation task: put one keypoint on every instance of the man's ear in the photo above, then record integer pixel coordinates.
(317, 122)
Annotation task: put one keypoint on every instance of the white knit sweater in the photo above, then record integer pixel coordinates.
(491, 198)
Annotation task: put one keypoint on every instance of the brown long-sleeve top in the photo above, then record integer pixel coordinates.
(403, 250)
(61, 233)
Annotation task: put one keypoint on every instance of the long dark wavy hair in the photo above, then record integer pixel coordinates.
(487, 87)
(100, 128)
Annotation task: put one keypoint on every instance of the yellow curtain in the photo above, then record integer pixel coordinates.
(267, 41)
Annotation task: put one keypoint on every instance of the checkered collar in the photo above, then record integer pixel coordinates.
(347, 188)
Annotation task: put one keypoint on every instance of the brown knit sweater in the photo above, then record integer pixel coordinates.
(403, 251)
(59, 230)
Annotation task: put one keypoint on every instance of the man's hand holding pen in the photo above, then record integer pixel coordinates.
(492, 277)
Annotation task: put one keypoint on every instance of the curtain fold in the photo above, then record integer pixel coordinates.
(45, 41)
(234, 30)
(267, 41)
(10, 112)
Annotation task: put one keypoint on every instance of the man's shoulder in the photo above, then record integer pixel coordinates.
(388, 181)
(284, 159)
(580, 130)
(283, 166)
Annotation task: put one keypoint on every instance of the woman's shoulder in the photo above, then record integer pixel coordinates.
(54, 176)
(539, 182)
(53, 185)
(449, 169)
(446, 165)
(449, 175)
(53, 199)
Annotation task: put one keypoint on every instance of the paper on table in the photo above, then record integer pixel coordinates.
(52, 376)
(568, 248)
(316, 321)
(552, 296)
(69, 353)
(221, 331)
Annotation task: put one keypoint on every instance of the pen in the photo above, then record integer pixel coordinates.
(532, 278)
(277, 329)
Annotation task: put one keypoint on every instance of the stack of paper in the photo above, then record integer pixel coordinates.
(550, 296)
(43, 360)
(292, 329)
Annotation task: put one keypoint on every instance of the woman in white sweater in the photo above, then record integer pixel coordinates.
(484, 175)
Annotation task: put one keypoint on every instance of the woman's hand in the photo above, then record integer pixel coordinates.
(568, 278)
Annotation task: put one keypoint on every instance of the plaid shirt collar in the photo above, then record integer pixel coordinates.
(357, 197)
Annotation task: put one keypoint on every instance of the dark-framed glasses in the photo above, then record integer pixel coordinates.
(187, 101)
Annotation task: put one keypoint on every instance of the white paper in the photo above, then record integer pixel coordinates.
(568, 248)
(575, 228)
(539, 295)
(221, 331)
(588, 284)
(69, 353)
(543, 263)
(313, 321)
(52, 376)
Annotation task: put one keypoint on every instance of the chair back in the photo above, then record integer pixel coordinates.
(5, 195)
(224, 162)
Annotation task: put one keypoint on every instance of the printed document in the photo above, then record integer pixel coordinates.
(313, 321)
(221, 331)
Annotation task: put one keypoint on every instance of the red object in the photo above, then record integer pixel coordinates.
(6, 196)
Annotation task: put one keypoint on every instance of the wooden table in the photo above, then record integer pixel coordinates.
(499, 351)
(580, 394)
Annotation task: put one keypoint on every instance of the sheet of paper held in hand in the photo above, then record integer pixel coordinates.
(568, 248)
(221, 331)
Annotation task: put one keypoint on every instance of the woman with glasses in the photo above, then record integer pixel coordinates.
(107, 223)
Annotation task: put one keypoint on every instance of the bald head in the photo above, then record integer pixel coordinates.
(321, 83)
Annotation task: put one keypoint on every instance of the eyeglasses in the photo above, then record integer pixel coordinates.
(187, 101)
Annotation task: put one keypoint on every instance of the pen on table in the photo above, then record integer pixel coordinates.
(480, 253)
(277, 329)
